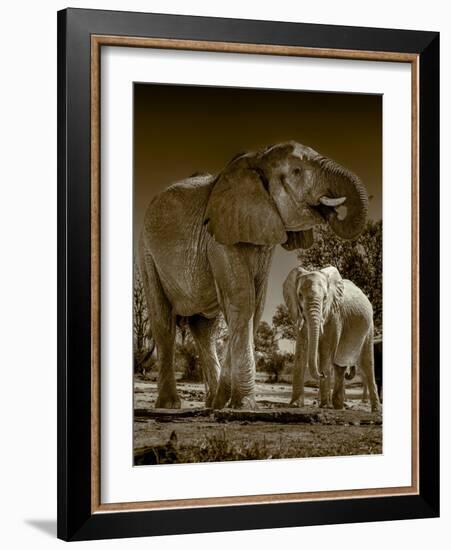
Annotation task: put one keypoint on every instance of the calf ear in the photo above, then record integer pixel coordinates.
(291, 292)
(335, 285)
(240, 209)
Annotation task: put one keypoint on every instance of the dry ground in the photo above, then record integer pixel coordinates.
(194, 434)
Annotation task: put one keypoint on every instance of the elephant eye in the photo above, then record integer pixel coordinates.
(297, 171)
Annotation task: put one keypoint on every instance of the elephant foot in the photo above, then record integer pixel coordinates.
(337, 402)
(222, 396)
(168, 400)
(325, 405)
(210, 399)
(248, 402)
(376, 407)
(299, 402)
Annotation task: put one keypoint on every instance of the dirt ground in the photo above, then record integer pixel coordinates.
(194, 434)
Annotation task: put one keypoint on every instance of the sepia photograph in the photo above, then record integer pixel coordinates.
(257, 299)
(248, 268)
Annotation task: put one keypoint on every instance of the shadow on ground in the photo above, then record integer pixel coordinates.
(46, 526)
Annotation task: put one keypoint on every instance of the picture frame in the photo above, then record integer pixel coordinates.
(81, 36)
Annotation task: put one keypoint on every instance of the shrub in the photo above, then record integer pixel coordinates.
(273, 364)
(187, 362)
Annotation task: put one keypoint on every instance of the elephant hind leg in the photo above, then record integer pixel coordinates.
(366, 365)
(325, 364)
(203, 331)
(364, 391)
(162, 325)
(338, 396)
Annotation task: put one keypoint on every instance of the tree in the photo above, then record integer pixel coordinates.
(283, 324)
(359, 260)
(274, 365)
(143, 343)
(140, 316)
(269, 358)
(265, 340)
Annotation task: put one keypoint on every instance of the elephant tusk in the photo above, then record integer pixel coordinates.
(329, 201)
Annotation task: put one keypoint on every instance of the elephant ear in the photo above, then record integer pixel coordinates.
(240, 209)
(291, 292)
(335, 287)
(299, 239)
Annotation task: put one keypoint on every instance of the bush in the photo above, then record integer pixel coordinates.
(273, 363)
(187, 362)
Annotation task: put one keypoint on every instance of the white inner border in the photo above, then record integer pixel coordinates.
(120, 481)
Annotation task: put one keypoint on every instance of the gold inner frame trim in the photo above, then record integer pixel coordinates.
(97, 41)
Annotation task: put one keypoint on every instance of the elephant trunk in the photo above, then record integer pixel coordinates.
(313, 327)
(344, 203)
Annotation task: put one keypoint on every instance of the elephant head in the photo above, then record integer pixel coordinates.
(277, 195)
(311, 297)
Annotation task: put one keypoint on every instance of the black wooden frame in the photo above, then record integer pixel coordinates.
(75, 520)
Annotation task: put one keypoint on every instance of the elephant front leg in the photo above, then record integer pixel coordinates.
(242, 362)
(300, 363)
(224, 390)
(239, 297)
(338, 397)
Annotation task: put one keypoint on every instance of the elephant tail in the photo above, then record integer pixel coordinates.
(350, 373)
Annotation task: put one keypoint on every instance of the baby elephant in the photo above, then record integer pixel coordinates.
(334, 327)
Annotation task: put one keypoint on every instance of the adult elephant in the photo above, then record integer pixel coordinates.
(206, 247)
(334, 328)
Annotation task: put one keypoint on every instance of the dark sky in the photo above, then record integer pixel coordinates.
(179, 130)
